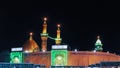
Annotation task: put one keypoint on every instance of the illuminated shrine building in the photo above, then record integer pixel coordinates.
(59, 54)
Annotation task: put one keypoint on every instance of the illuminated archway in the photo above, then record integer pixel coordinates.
(59, 58)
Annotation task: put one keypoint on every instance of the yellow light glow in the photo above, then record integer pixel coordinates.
(44, 31)
(45, 26)
(58, 39)
(16, 60)
(58, 33)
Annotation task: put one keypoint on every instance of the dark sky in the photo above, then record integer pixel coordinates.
(80, 23)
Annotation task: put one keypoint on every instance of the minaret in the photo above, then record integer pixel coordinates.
(58, 39)
(98, 44)
(44, 36)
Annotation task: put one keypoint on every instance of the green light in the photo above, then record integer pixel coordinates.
(58, 39)
(59, 57)
(98, 45)
(16, 57)
(44, 34)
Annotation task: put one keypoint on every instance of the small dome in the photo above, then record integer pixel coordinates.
(30, 45)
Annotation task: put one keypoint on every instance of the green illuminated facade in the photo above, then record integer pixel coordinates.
(59, 57)
(98, 45)
(16, 57)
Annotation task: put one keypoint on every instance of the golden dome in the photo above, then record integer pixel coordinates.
(30, 45)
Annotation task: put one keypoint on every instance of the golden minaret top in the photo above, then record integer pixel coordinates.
(58, 31)
(45, 26)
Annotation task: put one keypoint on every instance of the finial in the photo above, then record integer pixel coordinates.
(45, 19)
(98, 37)
(31, 34)
(58, 25)
(98, 44)
(58, 39)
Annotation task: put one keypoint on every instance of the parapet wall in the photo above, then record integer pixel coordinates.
(79, 58)
(43, 58)
(85, 58)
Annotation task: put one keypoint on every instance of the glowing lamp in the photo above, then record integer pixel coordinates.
(58, 25)
(31, 33)
(98, 37)
(75, 50)
(94, 51)
(45, 18)
(59, 58)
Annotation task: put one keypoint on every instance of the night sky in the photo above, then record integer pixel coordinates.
(80, 23)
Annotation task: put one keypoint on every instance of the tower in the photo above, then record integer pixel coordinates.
(59, 52)
(98, 44)
(44, 36)
(58, 39)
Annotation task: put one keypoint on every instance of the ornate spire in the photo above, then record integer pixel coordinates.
(58, 39)
(45, 26)
(58, 31)
(31, 34)
(98, 44)
(45, 19)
